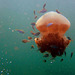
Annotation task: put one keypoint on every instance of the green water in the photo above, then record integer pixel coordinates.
(17, 58)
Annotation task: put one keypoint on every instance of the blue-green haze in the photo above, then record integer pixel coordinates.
(17, 58)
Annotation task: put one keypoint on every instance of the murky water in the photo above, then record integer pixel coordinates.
(16, 57)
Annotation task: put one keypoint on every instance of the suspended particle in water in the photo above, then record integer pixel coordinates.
(6, 62)
(10, 62)
(1, 71)
(5, 59)
(7, 73)
(1, 58)
(9, 28)
(12, 30)
(7, 70)
(2, 63)
(51, 62)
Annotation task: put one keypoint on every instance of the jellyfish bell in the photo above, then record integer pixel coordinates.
(52, 37)
(60, 24)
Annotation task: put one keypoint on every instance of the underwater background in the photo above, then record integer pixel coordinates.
(16, 57)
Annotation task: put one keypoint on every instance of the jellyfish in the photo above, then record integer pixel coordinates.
(52, 38)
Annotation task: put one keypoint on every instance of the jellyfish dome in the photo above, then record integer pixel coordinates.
(60, 24)
(52, 37)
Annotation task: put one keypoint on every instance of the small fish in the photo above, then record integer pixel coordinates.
(58, 11)
(53, 46)
(49, 24)
(65, 53)
(32, 33)
(33, 24)
(35, 15)
(29, 37)
(34, 12)
(61, 60)
(33, 27)
(44, 60)
(25, 41)
(32, 46)
(46, 55)
(71, 54)
(20, 31)
(44, 5)
(52, 58)
(69, 38)
(36, 34)
(43, 10)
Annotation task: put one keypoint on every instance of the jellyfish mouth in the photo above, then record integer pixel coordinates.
(52, 43)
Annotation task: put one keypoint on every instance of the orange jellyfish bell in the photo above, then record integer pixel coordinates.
(60, 24)
(52, 37)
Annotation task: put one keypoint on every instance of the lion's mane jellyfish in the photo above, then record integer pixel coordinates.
(52, 38)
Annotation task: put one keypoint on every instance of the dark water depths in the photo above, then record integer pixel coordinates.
(17, 58)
